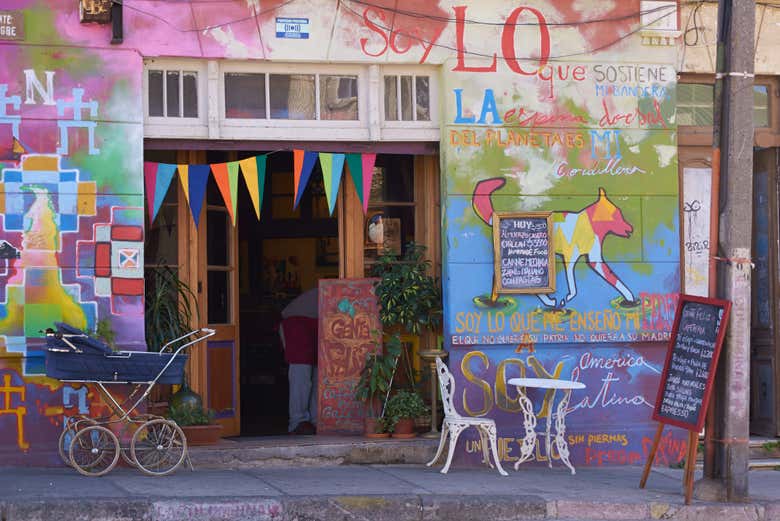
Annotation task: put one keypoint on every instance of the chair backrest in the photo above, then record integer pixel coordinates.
(447, 387)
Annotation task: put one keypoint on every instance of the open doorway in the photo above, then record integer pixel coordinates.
(280, 256)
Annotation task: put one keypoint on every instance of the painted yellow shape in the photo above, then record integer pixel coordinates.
(582, 238)
(604, 210)
(40, 162)
(87, 200)
(5, 402)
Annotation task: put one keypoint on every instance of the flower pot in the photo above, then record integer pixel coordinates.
(404, 428)
(202, 434)
(370, 429)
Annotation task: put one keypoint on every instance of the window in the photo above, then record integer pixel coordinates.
(172, 93)
(407, 98)
(308, 97)
(694, 104)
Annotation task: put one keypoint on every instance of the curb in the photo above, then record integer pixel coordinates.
(411, 507)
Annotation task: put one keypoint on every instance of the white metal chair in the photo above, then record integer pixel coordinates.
(454, 424)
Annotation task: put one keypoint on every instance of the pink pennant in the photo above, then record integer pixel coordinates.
(150, 182)
(368, 175)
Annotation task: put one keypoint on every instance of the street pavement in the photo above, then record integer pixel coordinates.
(370, 492)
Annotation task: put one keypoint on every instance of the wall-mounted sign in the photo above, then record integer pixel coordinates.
(95, 11)
(11, 25)
(523, 256)
(296, 28)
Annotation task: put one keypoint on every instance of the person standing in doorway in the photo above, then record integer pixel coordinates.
(298, 332)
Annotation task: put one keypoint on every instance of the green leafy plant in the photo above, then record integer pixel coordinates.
(405, 405)
(105, 332)
(408, 296)
(185, 415)
(771, 446)
(376, 378)
(170, 309)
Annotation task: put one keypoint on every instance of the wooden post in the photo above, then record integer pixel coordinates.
(690, 465)
(651, 457)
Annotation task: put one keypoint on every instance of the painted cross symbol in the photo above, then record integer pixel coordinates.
(8, 119)
(77, 105)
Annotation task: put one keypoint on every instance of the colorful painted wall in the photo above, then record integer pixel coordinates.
(558, 106)
(592, 139)
(71, 217)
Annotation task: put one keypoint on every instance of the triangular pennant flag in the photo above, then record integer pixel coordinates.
(150, 181)
(332, 166)
(253, 170)
(303, 164)
(164, 177)
(368, 175)
(184, 179)
(233, 184)
(355, 165)
(221, 176)
(198, 179)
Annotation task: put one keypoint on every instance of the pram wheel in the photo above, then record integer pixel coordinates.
(158, 447)
(74, 424)
(94, 450)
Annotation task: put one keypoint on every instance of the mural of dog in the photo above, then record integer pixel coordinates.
(575, 235)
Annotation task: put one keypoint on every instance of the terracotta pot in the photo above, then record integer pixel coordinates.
(202, 434)
(404, 428)
(369, 429)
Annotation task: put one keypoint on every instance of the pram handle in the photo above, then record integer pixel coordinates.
(204, 334)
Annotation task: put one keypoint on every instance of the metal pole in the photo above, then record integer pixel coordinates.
(736, 202)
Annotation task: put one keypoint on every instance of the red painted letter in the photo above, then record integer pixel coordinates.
(371, 25)
(460, 16)
(508, 40)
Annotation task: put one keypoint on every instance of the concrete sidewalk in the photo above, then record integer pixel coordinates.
(371, 492)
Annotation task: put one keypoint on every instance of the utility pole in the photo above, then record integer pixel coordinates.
(727, 454)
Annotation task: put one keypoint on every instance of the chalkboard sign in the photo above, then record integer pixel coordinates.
(349, 327)
(523, 256)
(694, 348)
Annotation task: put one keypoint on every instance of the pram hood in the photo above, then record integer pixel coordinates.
(78, 338)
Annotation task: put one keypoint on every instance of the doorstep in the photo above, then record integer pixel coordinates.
(319, 451)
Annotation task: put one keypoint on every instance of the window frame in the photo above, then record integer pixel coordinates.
(176, 126)
(428, 130)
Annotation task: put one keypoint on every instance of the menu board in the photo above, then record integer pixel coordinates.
(523, 255)
(689, 371)
(348, 330)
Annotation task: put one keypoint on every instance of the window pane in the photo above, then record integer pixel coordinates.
(190, 80)
(406, 98)
(391, 98)
(760, 106)
(172, 98)
(156, 93)
(219, 297)
(338, 97)
(244, 95)
(423, 98)
(292, 96)
(393, 179)
(161, 246)
(694, 104)
(217, 238)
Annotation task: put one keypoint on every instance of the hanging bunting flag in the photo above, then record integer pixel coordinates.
(355, 165)
(226, 176)
(150, 181)
(184, 179)
(253, 170)
(198, 179)
(303, 162)
(165, 174)
(368, 161)
(332, 166)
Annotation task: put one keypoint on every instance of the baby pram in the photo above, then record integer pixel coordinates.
(158, 445)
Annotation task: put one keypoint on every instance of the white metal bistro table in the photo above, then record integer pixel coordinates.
(529, 418)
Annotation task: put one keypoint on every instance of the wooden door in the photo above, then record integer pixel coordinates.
(764, 341)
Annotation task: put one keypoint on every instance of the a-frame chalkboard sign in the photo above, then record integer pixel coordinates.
(689, 373)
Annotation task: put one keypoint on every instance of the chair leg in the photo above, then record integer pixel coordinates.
(455, 431)
(491, 431)
(483, 438)
(445, 430)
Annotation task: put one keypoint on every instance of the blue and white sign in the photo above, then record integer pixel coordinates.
(297, 28)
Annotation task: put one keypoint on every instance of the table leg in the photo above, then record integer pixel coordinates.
(529, 422)
(560, 430)
(547, 444)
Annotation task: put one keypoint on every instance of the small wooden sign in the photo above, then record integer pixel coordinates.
(688, 375)
(523, 256)
(349, 329)
(11, 25)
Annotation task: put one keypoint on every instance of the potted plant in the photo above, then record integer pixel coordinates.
(197, 423)
(402, 409)
(373, 386)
